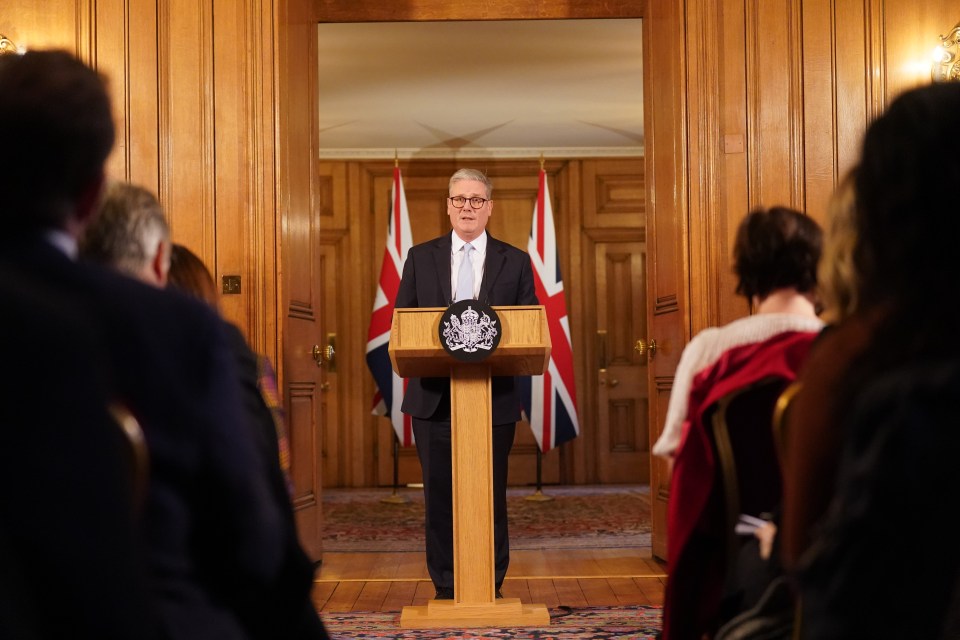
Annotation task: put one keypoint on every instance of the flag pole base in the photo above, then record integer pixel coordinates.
(538, 496)
(395, 498)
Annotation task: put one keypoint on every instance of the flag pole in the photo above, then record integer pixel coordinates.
(398, 238)
(395, 498)
(539, 496)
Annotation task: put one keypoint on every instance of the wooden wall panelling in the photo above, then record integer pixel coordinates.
(877, 55)
(911, 31)
(837, 93)
(576, 456)
(234, 141)
(45, 24)
(589, 358)
(110, 41)
(775, 107)
(332, 210)
(733, 162)
(852, 89)
(821, 153)
(264, 300)
(187, 150)
(706, 213)
(125, 50)
(359, 438)
(618, 189)
(374, 10)
(87, 31)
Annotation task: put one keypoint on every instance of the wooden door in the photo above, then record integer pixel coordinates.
(623, 450)
(667, 282)
(665, 162)
(327, 263)
(304, 267)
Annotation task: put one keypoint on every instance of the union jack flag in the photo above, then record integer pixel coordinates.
(390, 386)
(550, 400)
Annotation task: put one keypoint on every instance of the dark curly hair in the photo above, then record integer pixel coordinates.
(776, 248)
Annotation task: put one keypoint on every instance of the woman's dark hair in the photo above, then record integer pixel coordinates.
(908, 223)
(189, 275)
(776, 248)
(906, 192)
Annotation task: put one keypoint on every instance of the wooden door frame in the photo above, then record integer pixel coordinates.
(670, 15)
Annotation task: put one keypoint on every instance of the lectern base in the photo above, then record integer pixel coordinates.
(505, 612)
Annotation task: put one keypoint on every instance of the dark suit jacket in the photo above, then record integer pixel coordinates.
(507, 280)
(67, 512)
(211, 529)
(287, 611)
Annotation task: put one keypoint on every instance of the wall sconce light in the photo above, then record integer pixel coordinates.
(946, 57)
(7, 46)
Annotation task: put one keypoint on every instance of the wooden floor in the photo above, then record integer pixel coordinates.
(571, 577)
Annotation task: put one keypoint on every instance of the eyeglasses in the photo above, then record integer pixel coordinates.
(475, 202)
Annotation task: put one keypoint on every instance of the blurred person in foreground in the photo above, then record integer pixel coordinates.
(71, 561)
(813, 436)
(211, 533)
(131, 235)
(775, 259)
(297, 617)
(895, 405)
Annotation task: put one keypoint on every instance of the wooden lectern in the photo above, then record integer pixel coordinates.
(416, 351)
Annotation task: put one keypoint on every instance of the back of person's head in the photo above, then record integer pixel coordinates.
(56, 123)
(189, 275)
(906, 191)
(776, 248)
(837, 274)
(130, 234)
(472, 174)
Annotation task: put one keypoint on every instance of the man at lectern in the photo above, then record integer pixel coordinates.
(466, 263)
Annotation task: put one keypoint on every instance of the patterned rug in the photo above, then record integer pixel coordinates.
(578, 516)
(625, 623)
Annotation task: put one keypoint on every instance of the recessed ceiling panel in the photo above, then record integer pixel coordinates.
(447, 89)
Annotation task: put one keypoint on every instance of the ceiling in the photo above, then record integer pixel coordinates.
(520, 88)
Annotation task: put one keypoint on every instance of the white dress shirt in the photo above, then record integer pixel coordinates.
(479, 256)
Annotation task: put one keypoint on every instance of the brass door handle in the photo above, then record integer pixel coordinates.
(325, 386)
(643, 347)
(611, 384)
(323, 355)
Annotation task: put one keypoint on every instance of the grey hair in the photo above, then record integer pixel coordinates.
(127, 230)
(472, 174)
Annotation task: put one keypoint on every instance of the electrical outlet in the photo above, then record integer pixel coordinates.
(231, 284)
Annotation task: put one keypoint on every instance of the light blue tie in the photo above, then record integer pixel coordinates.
(465, 275)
